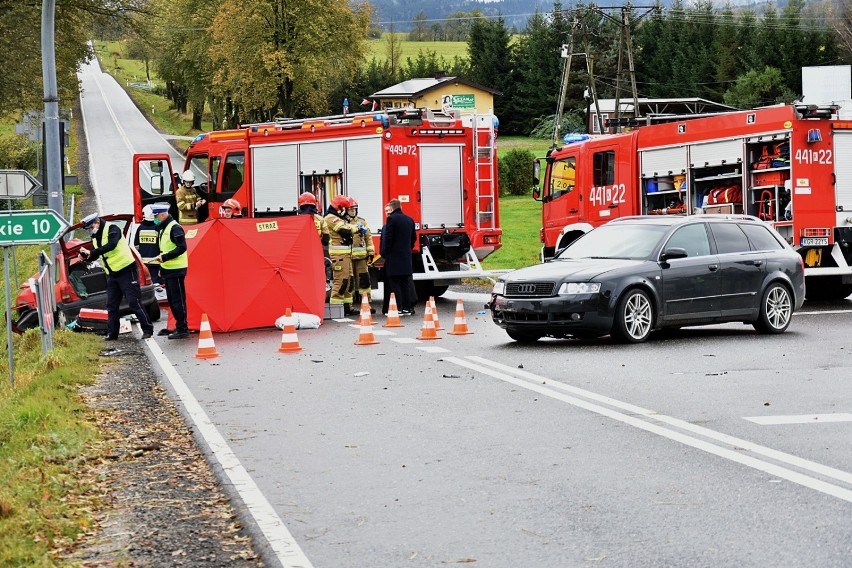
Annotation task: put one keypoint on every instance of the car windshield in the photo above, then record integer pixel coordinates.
(616, 240)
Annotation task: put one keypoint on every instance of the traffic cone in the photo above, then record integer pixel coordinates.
(366, 337)
(435, 314)
(289, 341)
(428, 329)
(460, 323)
(206, 347)
(393, 313)
(364, 318)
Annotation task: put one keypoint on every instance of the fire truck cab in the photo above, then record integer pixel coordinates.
(442, 168)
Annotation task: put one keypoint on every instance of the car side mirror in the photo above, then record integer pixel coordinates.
(536, 172)
(157, 185)
(672, 253)
(536, 194)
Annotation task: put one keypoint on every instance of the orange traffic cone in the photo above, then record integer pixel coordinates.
(206, 347)
(393, 313)
(435, 314)
(289, 341)
(428, 329)
(366, 337)
(364, 318)
(460, 323)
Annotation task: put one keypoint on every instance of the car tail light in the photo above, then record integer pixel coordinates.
(66, 292)
(146, 276)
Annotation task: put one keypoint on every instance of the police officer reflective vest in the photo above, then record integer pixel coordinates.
(166, 245)
(119, 257)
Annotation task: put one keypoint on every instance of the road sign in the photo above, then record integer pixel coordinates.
(17, 184)
(30, 227)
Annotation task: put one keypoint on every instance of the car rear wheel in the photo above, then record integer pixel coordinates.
(154, 311)
(634, 317)
(523, 336)
(776, 310)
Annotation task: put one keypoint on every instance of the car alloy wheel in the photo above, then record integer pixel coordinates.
(634, 317)
(776, 310)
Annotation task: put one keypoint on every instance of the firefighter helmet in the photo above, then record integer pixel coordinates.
(352, 203)
(307, 198)
(233, 205)
(340, 202)
(148, 212)
(188, 176)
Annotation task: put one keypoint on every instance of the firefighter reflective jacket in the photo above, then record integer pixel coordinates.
(340, 234)
(362, 239)
(186, 200)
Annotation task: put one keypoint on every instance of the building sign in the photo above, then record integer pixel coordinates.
(464, 101)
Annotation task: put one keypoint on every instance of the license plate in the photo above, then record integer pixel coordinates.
(814, 241)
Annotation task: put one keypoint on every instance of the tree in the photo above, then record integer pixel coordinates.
(21, 87)
(284, 59)
(419, 28)
(491, 59)
(759, 88)
(393, 51)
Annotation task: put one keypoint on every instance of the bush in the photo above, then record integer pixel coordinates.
(515, 172)
(18, 153)
(572, 121)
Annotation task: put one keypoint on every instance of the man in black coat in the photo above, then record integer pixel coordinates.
(397, 241)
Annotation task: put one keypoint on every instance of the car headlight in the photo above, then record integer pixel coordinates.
(499, 288)
(572, 288)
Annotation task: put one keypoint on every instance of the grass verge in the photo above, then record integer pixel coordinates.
(46, 440)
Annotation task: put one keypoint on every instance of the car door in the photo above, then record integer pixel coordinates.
(741, 270)
(691, 285)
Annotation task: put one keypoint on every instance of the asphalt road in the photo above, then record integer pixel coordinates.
(712, 447)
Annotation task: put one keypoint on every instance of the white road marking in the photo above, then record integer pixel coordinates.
(800, 419)
(435, 349)
(823, 312)
(376, 331)
(404, 339)
(734, 453)
(281, 541)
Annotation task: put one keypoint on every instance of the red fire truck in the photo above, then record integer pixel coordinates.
(442, 168)
(788, 165)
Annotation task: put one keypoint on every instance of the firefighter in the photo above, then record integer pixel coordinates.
(340, 251)
(112, 248)
(363, 252)
(145, 241)
(308, 206)
(230, 208)
(189, 202)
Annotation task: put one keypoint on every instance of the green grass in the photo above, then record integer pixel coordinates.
(45, 437)
(537, 146)
(520, 218)
(378, 48)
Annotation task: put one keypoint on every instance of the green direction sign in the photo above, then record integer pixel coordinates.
(32, 226)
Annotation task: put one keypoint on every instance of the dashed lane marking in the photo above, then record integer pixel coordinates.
(433, 349)
(800, 419)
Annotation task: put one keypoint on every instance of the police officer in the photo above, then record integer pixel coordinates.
(340, 251)
(363, 252)
(110, 246)
(173, 261)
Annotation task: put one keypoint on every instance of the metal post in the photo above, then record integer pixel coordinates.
(52, 151)
(9, 345)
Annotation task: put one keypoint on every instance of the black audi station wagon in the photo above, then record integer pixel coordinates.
(635, 275)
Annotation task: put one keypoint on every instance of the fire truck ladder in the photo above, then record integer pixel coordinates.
(484, 149)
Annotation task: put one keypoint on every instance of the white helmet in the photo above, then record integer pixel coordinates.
(188, 176)
(148, 213)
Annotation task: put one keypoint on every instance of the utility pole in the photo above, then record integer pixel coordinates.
(52, 151)
(567, 55)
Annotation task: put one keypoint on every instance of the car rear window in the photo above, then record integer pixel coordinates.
(761, 237)
(729, 238)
